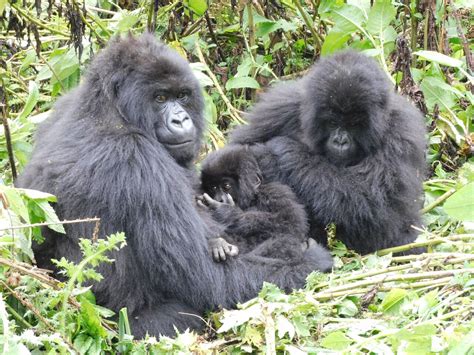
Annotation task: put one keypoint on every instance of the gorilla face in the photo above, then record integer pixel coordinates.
(218, 186)
(234, 171)
(344, 111)
(156, 93)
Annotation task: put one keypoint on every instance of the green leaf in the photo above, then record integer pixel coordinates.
(15, 201)
(242, 82)
(336, 341)
(348, 19)
(436, 91)
(38, 195)
(50, 216)
(393, 300)
(380, 16)
(439, 58)
(460, 205)
(33, 96)
(334, 41)
(3, 3)
(284, 326)
(199, 7)
(90, 318)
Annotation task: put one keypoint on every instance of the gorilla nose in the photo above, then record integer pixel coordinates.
(180, 123)
(341, 140)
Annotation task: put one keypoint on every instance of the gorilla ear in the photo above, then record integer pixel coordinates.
(112, 83)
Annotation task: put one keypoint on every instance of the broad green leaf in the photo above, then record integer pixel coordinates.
(393, 300)
(242, 82)
(83, 342)
(380, 16)
(334, 41)
(436, 91)
(33, 96)
(199, 7)
(347, 308)
(348, 19)
(38, 195)
(439, 58)
(460, 205)
(336, 341)
(50, 216)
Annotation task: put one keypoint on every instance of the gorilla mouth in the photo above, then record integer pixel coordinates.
(178, 144)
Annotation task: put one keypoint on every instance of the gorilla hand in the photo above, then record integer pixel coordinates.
(209, 202)
(220, 249)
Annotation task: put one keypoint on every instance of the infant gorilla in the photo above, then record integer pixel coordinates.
(262, 218)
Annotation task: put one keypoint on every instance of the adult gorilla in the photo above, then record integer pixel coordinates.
(351, 149)
(120, 147)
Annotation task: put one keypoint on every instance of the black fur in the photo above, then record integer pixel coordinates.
(372, 191)
(265, 215)
(100, 153)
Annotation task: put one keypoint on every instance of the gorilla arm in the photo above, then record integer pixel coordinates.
(273, 211)
(352, 198)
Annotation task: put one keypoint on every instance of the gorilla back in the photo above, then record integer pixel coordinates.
(120, 147)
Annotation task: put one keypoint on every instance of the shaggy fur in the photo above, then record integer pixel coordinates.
(265, 215)
(100, 153)
(373, 191)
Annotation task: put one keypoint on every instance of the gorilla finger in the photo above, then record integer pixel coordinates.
(215, 254)
(210, 201)
(222, 254)
(230, 200)
(201, 204)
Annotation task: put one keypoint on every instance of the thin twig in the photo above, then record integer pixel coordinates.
(86, 220)
(6, 129)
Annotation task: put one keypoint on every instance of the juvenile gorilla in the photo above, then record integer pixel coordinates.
(351, 149)
(259, 216)
(121, 147)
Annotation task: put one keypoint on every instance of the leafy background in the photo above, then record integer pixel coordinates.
(376, 304)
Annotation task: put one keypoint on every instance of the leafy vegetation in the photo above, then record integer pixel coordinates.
(373, 304)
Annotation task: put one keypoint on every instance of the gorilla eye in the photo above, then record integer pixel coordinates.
(227, 187)
(161, 98)
(214, 188)
(183, 95)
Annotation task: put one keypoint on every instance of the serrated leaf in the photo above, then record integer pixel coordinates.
(393, 300)
(50, 216)
(439, 58)
(336, 341)
(380, 16)
(241, 83)
(199, 7)
(33, 97)
(460, 205)
(284, 326)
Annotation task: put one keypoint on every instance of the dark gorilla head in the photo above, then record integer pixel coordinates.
(154, 91)
(232, 170)
(344, 112)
